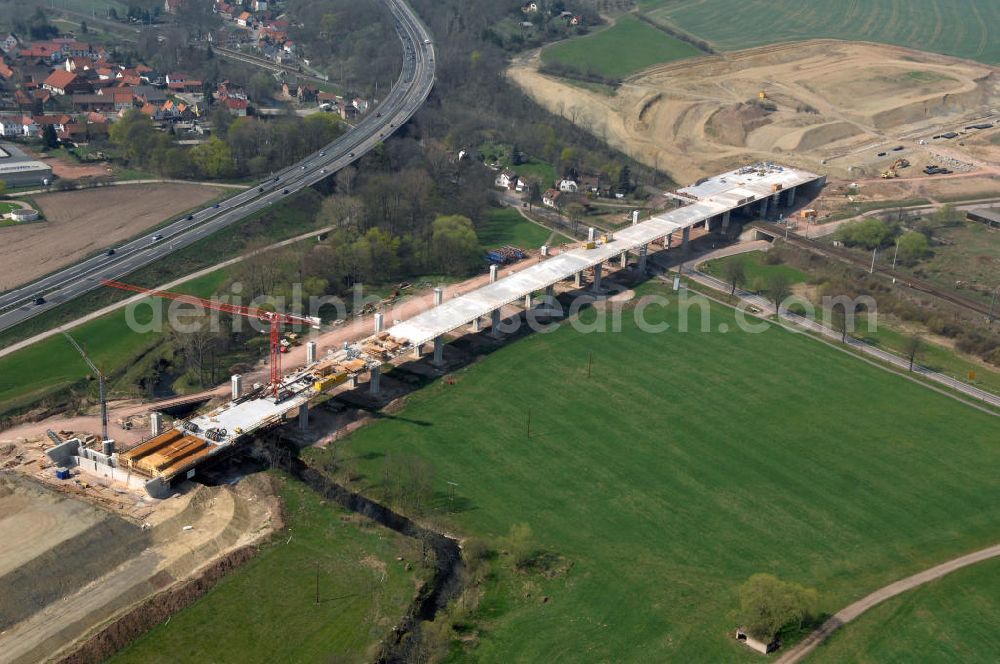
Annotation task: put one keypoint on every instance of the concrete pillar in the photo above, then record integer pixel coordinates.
(310, 352)
(763, 208)
(597, 277)
(416, 350)
(438, 296)
(685, 238)
(379, 322)
(493, 273)
(670, 240)
(708, 223)
(304, 417)
(635, 217)
(623, 260)
(791, 197)
(155, 424)
(495, 322)
(725, 220)
(643, 251)
(591, 234)
(550, 291)
(775, 200)
(545, 250)
(439, 350)
(527, 301)
(476, 324)
(375, 381)
(578, 279)
(236, 384)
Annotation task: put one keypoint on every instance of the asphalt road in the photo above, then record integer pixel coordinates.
(405, 98)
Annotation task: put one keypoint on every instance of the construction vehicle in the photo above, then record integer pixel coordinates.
(808, 214)
(100, 379)
(275, 319)
(890, 172)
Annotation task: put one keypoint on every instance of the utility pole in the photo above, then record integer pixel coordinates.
(874, 253)
(993, 303)
(895, 254)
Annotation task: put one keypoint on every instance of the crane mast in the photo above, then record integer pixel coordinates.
(273, 318)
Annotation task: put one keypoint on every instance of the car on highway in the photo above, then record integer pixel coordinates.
(156, 238)
(322, 170)
(216, 205)
(303, 167)
(39, 300)
(110, 252)
(284, 191)
(260, 189)
(323, 153)
(351, 155)
(190, 217)
(427, 41)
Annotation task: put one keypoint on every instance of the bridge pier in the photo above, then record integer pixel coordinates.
(476, 324)
(670, 240)
(495, 322)
(438, 350)
(643, 251)
(791, 197)
(685, 239)
(763, 208)
(304, 417)
(623, 260)
(597, 277)
(375, 381)
(527, 302)
(725, 220)
(578, 279)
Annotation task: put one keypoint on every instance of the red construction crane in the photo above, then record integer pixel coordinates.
(275, 319)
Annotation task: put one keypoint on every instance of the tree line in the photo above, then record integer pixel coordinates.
(240, 147)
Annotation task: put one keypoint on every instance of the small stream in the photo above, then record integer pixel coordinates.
(435, 595)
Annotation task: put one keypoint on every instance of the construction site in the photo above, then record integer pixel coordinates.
(168, 455)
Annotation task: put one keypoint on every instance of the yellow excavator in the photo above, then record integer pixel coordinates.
(890, 172)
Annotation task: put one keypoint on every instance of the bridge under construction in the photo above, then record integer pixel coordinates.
(169, 455)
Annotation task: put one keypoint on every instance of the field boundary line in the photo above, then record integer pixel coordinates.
(852, 611)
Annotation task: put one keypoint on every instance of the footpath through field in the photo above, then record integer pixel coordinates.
(849, 613)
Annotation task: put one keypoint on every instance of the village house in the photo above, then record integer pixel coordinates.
(62, 82)
(8, 43)
(551, 198)
(568, 186)
(506, 179)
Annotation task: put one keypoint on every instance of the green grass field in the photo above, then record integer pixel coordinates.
(968, 29)
(51, 365)
(623, 49)
(687, 462)
(266, 610)
(503, 226)
(755, 268)
(949, 620)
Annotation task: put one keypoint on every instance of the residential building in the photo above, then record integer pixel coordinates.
(62, 82)
(506, 179)
(551, 198)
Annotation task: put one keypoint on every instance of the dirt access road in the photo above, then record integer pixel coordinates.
(851, 612)
(80, 223)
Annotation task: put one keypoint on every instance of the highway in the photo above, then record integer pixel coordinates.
(411, 90)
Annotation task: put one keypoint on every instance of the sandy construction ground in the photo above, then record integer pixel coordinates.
(68, 566)
(830, 107)
(79, 223)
